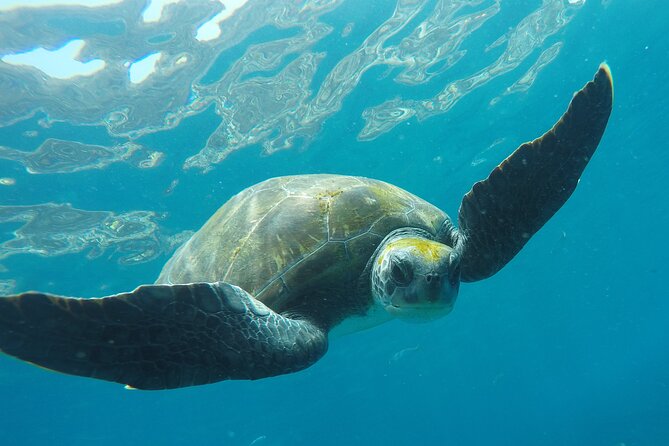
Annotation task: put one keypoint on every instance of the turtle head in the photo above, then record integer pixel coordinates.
(415, 278)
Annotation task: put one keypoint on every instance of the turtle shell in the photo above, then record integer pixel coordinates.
(301, 243)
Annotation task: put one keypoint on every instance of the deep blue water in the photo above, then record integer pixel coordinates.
(567, 345)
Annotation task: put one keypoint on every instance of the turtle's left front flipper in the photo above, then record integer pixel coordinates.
(159, 336)
(500, 214)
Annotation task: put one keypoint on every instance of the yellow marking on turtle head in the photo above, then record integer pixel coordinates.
(430, 250)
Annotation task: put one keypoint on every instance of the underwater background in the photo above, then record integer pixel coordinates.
(166, 113)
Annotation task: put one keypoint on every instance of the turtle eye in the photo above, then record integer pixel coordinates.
(401, 272)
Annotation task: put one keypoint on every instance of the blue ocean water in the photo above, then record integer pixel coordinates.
(567, 345)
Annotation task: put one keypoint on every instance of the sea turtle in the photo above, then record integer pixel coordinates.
(257, 290)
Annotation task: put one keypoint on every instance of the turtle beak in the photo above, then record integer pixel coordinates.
(431, 296)
(439, 289)
(441, 285)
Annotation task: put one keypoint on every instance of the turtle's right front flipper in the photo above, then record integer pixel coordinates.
(159, 336)
(500, 214)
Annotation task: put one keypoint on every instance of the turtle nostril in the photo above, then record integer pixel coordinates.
(432, 277)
